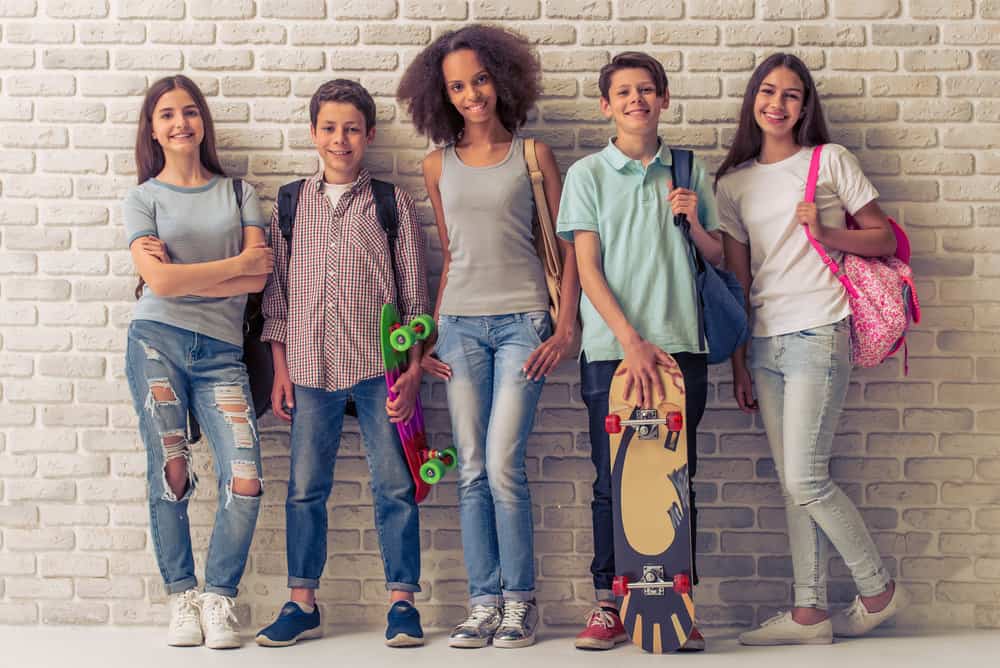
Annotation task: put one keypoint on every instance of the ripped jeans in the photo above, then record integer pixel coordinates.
(801, 380)
(170, 371)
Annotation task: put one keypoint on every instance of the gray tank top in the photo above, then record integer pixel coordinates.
(488, 213)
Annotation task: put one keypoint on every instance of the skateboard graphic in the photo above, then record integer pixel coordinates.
(427, 466)
(650, 499)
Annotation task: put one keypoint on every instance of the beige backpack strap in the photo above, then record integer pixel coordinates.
(549, 248)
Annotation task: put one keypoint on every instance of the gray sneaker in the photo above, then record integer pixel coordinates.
(517, 629)
(478, 628)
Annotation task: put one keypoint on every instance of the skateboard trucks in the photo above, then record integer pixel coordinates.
(647, 425)
(653, 583)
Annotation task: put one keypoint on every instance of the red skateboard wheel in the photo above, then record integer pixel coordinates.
(675, 421)
(619, 585)
(613, 424)
(682, 583)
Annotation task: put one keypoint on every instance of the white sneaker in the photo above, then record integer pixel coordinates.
(219, 622)
(185, 620)
(855, 620)
(783, 630)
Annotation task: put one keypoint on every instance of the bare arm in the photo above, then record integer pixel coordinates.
(738, 262)
(167, 279)
(432, 176)
(241, 285)
(874, 239)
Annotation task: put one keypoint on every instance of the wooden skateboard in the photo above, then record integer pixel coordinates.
(651, 499)
(427, 466)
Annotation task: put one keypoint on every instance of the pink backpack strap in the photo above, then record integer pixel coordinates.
(810, 196)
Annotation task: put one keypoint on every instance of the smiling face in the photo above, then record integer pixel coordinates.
(470, 87)
(341, 139)
(178, 126)
(633, 102)
(778, 105)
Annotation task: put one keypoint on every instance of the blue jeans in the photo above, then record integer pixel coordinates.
(801, 381)
(317, 420)
(595, 379)
(492, 405)
(171, 371)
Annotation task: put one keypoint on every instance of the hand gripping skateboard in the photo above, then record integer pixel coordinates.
(650, 499)
(427, 466)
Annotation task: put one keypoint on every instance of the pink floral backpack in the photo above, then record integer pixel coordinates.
(880, 291)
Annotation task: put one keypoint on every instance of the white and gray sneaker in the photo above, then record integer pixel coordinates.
(185, 620)
(783, 630)
(219, 622)
(478, 628)
(517, 629)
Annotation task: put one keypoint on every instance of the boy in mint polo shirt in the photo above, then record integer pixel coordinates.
(618, 208)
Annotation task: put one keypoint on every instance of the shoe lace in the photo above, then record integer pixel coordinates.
(513, 614)
(186, 608)
(773, 620)
(600, 617)
(478, 615)
(219, 610)
(856, 609)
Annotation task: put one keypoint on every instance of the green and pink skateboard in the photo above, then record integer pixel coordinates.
(427, 466)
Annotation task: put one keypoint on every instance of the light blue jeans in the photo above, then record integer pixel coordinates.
(492, 405)
(317, 420)
(171, 371)
(801, 381)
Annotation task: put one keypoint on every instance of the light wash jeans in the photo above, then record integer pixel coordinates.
(171, 371)
(317, 420)
(801, 381)
(492, 405)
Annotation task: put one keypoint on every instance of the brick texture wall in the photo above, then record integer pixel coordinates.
(913, 87)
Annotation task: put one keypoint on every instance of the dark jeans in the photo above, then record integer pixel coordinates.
(595, 378)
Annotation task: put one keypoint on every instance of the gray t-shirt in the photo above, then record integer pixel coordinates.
(199, 224)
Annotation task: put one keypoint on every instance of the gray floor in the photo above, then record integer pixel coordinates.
(143, 648)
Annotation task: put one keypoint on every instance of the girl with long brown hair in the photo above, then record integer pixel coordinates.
(799, 361)
(198, 241)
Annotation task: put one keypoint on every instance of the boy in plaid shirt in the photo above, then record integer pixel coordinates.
(322, 310)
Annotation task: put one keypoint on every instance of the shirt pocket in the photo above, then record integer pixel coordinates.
(366, 235)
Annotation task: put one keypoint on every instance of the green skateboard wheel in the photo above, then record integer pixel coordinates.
(431, 471)
(402, 339)
(449, 457)
(422, 326)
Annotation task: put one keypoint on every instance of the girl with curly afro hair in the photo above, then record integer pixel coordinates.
(471, 90)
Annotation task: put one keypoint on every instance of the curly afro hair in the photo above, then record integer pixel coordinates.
(505, 54)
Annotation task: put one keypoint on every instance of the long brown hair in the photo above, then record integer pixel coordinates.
(810, 130)
(149, 159)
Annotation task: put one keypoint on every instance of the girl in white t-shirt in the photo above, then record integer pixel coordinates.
(800, 353)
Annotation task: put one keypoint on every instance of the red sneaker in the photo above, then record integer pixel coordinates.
(604, 630)
(695, 642)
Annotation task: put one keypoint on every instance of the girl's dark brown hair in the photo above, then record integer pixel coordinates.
(149, 158)
(810, 130)
(507, 57)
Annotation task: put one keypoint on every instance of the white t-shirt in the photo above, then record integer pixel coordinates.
(792, 289)
(334, 191)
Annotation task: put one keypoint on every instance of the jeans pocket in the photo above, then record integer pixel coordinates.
(541, 324)
(444, 324)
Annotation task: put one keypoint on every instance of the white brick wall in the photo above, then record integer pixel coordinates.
(912, 87)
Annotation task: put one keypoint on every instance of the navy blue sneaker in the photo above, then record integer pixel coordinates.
(291, 625)
(403, 629)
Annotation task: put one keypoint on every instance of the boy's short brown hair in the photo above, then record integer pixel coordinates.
(633, 60)
(343, 90)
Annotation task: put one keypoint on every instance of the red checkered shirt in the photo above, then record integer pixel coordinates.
(325, 302)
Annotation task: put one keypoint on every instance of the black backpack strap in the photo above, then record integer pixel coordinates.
(238, 191)
(682, 162)
(388, 218)
(288, 204)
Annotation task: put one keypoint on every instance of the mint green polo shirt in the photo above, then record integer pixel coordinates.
(646, 262)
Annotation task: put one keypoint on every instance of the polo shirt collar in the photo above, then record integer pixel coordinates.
(619, 160)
